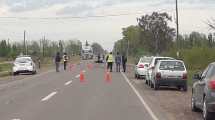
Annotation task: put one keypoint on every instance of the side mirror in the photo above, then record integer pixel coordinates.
(196, 77)
(146, 65)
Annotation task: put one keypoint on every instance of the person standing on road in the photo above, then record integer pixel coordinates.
(57, 61)
(109, 60)
(65, 60)
(118, 62)
(124, 61)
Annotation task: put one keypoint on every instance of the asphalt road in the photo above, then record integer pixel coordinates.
(62, 96)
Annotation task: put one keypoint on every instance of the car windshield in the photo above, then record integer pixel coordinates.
(22, 60)
(145, 60)
(172, 65)
(157, 59)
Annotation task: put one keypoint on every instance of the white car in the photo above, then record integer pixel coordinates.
(24, 64)
(141, 67)
(151, 67)
(171, 73)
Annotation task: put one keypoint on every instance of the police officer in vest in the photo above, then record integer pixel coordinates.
(109, 60)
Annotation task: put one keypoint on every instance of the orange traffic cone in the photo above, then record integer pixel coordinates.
(82, 77)
(108, 77)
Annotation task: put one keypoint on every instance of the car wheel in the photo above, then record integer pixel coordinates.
(206, 115)
(185, 88)
(151, 85)
(146, 81)
(193, 104)
(15, 73)
(156, 86)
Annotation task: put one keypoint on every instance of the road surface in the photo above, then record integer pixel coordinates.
(62, 96)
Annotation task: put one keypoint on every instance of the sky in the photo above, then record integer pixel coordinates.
(72, 19)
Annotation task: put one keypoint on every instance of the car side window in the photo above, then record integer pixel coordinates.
(210, 72)
(205, 72)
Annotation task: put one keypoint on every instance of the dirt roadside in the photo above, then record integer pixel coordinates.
(175, 104)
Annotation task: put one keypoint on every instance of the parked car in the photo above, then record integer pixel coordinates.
(141, 67)
(171, 73)
(152, 66)
(24, 64)
(203, 92)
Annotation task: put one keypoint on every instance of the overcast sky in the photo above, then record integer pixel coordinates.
(29, 15)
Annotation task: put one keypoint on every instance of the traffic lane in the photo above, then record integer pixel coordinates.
(28, 95)
(93, 99)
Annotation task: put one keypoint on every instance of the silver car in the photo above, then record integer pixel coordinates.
(170, 73)
(141, 67)
(24, 64)
(203, 92)
(151, 67)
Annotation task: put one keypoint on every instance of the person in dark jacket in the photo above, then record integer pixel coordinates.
(57, 61)
(118, 62)
(124, 61)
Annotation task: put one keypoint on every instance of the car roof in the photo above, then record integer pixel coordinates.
(24, 57)
(171, 60)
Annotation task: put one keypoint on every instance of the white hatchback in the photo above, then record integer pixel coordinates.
(141, 67)
(24, 64)
(170, 73)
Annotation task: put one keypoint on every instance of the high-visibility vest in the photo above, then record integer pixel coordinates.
(110, 58)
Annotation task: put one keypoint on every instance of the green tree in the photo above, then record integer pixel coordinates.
(159, 36)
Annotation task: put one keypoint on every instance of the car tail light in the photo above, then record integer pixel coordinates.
(158, 75)
(141, 66)
(184, 77)
(212, 84)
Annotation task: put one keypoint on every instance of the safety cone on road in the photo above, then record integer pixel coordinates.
(107, 77)
(82, 77)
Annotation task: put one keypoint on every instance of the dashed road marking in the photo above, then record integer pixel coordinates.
(154, 117)
(68, 83)
(49, 96)
(16, 119)
(77, 76)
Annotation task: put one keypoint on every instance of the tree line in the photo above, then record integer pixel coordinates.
(41, 48)
(153, 36)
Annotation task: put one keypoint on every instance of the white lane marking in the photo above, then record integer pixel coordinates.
(16, 119)
(77, 76)
(68, 83)
(154, 117)
(49, 96)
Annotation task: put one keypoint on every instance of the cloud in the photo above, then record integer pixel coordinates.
(90, 5)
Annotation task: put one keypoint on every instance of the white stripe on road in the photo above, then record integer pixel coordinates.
(68, 83)
(154, 117)
(49, 96)
(16, 119)
(77, 76)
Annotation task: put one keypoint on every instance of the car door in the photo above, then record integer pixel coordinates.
(202, 83)
(197, 89)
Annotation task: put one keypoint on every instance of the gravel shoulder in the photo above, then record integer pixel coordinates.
(175, 104)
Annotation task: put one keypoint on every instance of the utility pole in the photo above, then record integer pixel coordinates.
(177, 23)
(177, 28)
(44, 38)
(24, 43)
